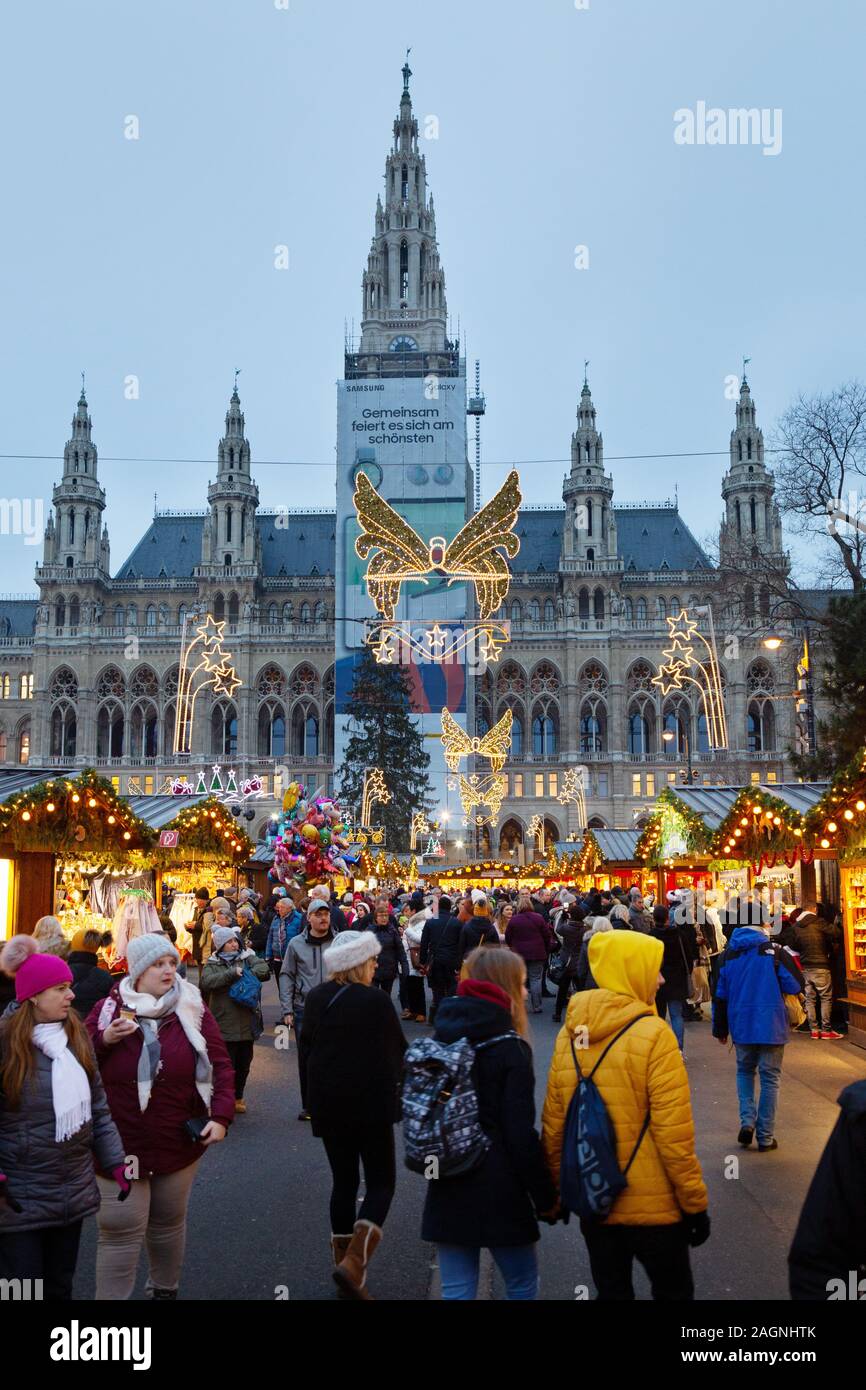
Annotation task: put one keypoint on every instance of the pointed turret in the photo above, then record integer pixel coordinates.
(590, 529)
(230, 538)
(404, 309)
(72, 538)
(751, 513)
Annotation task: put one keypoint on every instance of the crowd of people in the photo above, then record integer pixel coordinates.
(111, 1089)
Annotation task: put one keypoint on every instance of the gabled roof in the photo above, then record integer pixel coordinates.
(657, 538)
(296, 543)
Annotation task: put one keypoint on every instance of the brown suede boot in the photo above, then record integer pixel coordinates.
(351, 1272)
(339, 1246)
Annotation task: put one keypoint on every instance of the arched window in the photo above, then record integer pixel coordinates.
(272, 730)
(228, 525)
(110, 730)
(676, 607)
(119, 617)
(593, 726)
(738, 511)
(517, 736)
(273, 614)
(5, 686)
(628, 610)
(305, 732)
(583, 603)
(224, 731)
(74, 611)
(144, 726)
(516, 611)
(703, 734)
(638, 733)
(641, 610)
(63, 731)
(131, 615)
(677, 721)
(535, 611)
(753, 520)
(71, 525)
(549, 611)
(305, 612)
(219, 608)
(404, 270)
(749, 601)
(234, 608)
(288, 612)
(150, 615)
(598, 605)
(328, 749)
(24, 743)
(544, 730)
(589, 516)
(60, 612)
(661, 608)
(3, 746)
(761, 727)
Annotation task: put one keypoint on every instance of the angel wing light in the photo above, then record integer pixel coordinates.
(475, 555)
(493, 745)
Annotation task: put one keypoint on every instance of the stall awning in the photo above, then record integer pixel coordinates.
(160, 811)
(617, 846)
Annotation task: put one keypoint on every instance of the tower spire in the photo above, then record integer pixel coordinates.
(404, 306)
(751, 513)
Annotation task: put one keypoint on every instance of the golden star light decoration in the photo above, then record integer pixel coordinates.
(494, 745)
(375, 793)
(477, 555)
(535, 830)
(683, 668)
(574, 792)
(203, 663)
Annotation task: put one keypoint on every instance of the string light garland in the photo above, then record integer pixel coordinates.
(60, 815)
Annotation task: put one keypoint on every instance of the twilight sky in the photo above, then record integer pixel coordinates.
(262, 125)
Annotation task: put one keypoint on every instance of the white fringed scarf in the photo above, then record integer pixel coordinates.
(70, 1084)
(182, 999)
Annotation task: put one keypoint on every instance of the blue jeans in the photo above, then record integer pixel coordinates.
(458, 1270)
(675, 1013)
(767, 1060)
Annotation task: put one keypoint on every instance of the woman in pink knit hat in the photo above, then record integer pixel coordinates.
(54, 1119)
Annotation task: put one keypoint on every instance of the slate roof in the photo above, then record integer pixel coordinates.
(302, 544)
(652, 538)
(617, 846)
(18, 617)
(657, 538)
(712, 804)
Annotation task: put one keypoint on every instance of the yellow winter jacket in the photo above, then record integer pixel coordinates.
(643, 1071)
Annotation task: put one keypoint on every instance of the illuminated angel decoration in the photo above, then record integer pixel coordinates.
(478, 791)
(493, 745)
(475, 554)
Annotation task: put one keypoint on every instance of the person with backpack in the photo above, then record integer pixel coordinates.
(54, 1121)
(617, 1126)
(530, 937)
(439, 953)
(815, 942)
(234, 1002)
(754, 977)
(487, 1184)
(830, 1240)
(350, 1056)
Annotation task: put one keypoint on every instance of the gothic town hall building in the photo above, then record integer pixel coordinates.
(89, 670)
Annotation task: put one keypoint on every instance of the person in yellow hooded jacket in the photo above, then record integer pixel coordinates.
(643, 1083)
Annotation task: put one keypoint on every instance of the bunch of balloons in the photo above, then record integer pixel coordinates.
(309, 846)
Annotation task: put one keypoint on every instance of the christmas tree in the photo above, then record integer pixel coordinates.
(385, 736)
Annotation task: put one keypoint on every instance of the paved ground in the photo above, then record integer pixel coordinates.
(258, 1215)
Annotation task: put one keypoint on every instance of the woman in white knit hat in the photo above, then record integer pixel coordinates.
(351, 1057)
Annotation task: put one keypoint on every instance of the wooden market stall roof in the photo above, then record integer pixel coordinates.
(69, 812)
(740, 823)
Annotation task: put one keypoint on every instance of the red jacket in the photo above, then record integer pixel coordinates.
(156, 1136)
(529, 935)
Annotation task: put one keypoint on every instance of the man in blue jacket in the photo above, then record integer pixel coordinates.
(754, 975)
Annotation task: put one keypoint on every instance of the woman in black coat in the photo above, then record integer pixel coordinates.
(392, 956)
(570, 930)
(680, 944)
(350, 1055)
(89, 982)
(497, 1205)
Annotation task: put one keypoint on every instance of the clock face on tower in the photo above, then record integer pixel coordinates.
(403, 345)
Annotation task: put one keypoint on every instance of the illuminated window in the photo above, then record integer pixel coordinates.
(518, 784)
(115, 782)
(24, 746)
(25, 687)
(756, 777)
(553, 784)
(265, 781)
(635, 784)
(672, 777)
(539, 784)
(771, 777)
(148, 785)
(650, 784)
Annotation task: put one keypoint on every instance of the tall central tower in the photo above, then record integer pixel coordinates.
(401, 420)
(404, 315)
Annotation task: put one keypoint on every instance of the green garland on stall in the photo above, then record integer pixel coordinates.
(754, 841)
(74, 827)
(203, 835)
(839, 806)
(672, 814)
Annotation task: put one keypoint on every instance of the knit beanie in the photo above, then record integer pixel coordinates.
(144, 951)
(32, 972)
(350, 949)
(485, 989)
(223, 934)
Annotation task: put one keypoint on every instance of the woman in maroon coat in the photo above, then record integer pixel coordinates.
(163, 1064)
(529, 936)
